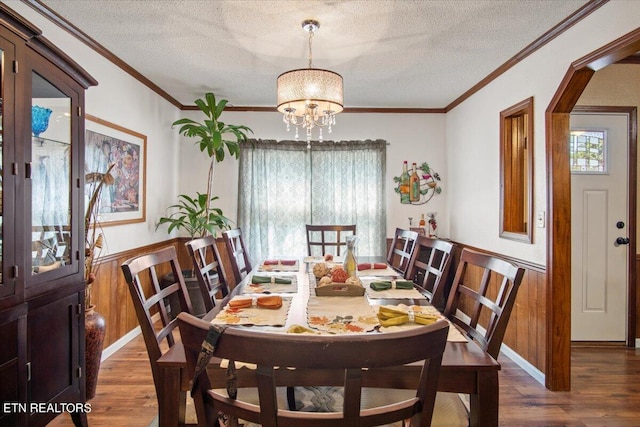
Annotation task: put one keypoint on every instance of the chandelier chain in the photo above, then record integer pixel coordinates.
(310, 55)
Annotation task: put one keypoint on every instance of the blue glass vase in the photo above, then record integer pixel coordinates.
(39, 119)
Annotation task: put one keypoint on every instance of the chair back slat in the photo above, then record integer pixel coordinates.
(429, 267)
(329, 238)
(401, 250)
(212, 278)
(339, 360)
(237, 252)
(480, 304)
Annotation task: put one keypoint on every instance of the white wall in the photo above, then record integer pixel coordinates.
(472, 132)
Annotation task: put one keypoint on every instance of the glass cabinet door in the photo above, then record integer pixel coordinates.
(7, 179)
(51, 178)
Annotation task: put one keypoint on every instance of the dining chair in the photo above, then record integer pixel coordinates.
(327, 237)
(238, 256)
(209, 270)
(401, 250)
(341, 360)
(143, 275)
(472, 290)
(428, 265)
(480, 306)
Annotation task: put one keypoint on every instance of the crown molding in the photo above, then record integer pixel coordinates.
(554, 32)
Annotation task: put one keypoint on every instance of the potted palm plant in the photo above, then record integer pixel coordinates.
(195, 214)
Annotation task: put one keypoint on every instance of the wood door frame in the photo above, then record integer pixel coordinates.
(558, 351)
(632, 188)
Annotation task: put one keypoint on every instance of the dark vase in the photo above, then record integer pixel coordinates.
(94, 338)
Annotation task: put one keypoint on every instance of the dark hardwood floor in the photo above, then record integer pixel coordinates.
(605, 391)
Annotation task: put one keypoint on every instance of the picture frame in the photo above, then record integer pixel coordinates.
(124, 201)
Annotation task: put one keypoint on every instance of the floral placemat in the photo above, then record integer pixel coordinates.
(253, 315)
(279, 265)
(341, 315)
(454, 333)
(412, 293)
(273, 288)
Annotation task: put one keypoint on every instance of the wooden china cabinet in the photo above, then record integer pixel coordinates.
(41, 227)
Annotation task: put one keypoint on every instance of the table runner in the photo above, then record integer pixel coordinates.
(341, 315)
(253, 316)
(314, 259)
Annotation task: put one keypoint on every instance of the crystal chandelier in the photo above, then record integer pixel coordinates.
(310, 97)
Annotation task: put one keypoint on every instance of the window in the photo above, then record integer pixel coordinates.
(284, 185)
(588, 151)
(516, 171)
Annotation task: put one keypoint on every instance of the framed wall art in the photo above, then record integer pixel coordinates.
(124, 200)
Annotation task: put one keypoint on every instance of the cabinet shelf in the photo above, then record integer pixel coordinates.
(38, 141)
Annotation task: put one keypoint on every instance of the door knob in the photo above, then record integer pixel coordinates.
(622, 241)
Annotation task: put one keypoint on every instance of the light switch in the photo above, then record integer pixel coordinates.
(540, 219)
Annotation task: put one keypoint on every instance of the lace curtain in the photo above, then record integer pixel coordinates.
(51, 184)
(284, 186)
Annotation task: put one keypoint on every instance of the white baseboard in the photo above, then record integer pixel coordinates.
(534, 372)
(122, 341)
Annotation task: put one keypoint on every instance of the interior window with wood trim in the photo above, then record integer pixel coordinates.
(516, 172)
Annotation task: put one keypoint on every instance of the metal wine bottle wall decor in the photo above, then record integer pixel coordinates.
(417, 185)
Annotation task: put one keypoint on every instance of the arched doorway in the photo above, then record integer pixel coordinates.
(558, 360)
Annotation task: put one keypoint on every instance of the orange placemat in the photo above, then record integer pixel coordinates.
(253, 315)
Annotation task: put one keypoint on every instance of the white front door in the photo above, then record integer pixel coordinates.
(598, 212)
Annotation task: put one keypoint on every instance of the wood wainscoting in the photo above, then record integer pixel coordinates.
(110, 293)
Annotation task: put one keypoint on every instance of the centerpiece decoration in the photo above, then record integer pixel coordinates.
(336, 281)
(418, 186)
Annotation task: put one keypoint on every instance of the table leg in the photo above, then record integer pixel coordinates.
(484, 404)
(171, 399)
(79, 419)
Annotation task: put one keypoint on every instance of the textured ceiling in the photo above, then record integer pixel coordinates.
(391, 53)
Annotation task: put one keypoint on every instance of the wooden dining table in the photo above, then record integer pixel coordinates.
(466, 368)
